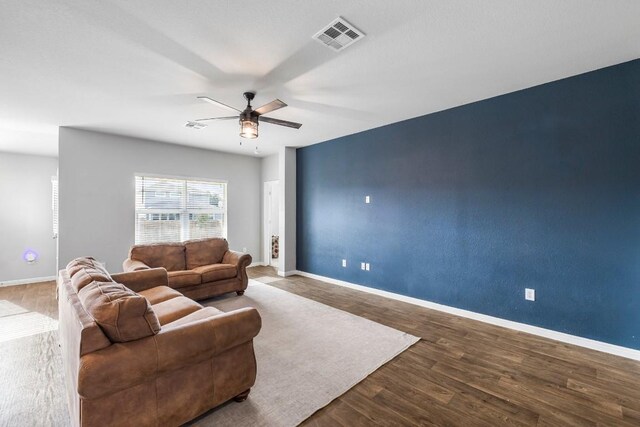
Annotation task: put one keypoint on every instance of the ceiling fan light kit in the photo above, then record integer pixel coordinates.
(248, 128)
(250, 118)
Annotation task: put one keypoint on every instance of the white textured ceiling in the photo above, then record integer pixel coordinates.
(136, 67)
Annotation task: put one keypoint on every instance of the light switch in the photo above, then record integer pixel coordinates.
(367, 199)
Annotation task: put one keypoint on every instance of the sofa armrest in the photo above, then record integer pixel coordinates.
(134, 265)
(142, 279)
(239, 259)
(199, 340)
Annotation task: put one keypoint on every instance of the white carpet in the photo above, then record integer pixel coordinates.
(308, 354)
(31, 377)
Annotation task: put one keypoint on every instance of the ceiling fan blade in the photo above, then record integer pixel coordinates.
(218, 103)
(280, 122)
(276, 104)
(218, 118)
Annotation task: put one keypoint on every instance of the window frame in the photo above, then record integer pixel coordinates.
(184, 212)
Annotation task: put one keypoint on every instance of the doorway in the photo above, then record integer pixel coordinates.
(271, 237)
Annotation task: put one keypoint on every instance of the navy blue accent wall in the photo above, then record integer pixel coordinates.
(538, 188)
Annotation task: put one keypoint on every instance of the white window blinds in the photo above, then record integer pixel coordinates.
(174, 210)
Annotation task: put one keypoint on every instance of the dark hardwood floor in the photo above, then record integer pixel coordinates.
(468, 373)
(462, 372)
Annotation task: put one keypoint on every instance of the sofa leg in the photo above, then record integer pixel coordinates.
(239, 292)
(242, 396)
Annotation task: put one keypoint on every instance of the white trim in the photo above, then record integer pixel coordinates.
(182, 177)
(535, 330)
(27, 281)
(290, 273)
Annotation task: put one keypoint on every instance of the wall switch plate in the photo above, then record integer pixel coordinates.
(362, 266)
(530, 294)
(367, 199)
(366, 266)
(344, 262)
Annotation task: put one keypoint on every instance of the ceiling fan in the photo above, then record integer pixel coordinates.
(249, 118)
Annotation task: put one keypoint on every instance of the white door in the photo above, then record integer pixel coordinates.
(271, 222)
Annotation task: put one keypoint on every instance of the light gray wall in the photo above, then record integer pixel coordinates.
(26, 216)
(287, 174)
(270, 168)
(97, 191)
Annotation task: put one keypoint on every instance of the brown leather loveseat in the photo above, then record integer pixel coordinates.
(199, 269)
(136, 352)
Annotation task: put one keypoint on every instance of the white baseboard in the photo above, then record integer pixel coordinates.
(288, 273)
(523, 327)
(27, 281)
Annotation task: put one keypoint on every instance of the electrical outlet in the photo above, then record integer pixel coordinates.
(530, 294)
(362, 266)
(344, 262)
(367, 199)
(366, 266)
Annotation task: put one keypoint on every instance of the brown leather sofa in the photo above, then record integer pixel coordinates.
(199, 269)
(137, 352)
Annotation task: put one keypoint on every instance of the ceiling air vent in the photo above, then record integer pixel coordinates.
(339, 34)
(195, 125)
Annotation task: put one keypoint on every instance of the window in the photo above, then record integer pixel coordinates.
(174, 210)
(54, 204)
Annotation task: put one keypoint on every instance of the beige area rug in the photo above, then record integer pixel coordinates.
(31, 383)
(308, 354)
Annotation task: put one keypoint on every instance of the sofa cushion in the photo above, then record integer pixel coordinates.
(159, 294)
(204, 313)
(171, 310)
(87, 275)
(83, 262)
(205, 251)
(167, 255)
(181, 279)
(122, 314)
(86, 270)
(215, 272)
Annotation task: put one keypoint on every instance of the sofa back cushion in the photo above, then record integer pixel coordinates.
(85, 270)
(122, 314)
(167, 255)
(205, 251)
